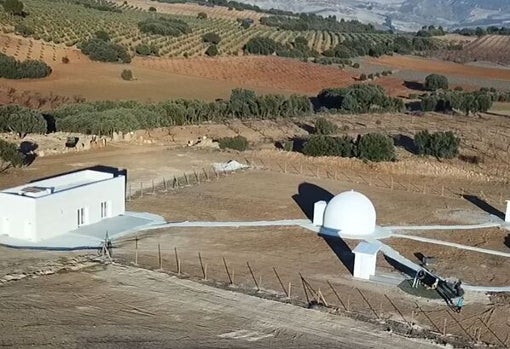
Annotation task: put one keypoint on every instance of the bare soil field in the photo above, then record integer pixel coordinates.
(488, 48)
(269, 196)
(193, 9)
(260, 71)
(441, 67)
(123, 307)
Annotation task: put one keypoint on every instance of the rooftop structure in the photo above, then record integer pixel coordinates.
(349, 213)
(54, 206)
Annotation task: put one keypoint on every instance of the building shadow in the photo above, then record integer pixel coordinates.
(400, 267)
(341, 250)
(507, 241)
(484, 205)
(308, 194)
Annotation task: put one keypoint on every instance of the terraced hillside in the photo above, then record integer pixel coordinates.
(67, 22)
(488, 48)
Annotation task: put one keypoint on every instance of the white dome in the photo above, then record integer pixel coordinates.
(350, 213)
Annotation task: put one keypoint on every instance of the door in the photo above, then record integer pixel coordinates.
(81, 216)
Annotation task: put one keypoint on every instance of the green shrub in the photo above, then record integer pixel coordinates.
(237, 143)
(363, 77)
(126, 75)
(146, 50)
(164, 26)
(375, 147)
(355, 65)
(104, 51)
(10, 68)
(10, 156)
(15, 118)
(212, 51)
(211, 38)
(102, 35)
(435, 82)
(442, 145)
(23, 30)
(202, 15)
(324, 127)
(14, 7)
(321, 145)
(152, 9)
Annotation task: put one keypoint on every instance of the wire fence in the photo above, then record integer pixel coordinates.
(437, 322)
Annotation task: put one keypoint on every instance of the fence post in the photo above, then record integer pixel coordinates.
(165, 184)
(336, 294)
(202, 266)
(160, 261)
(280, 281)
(253, 276)
(153, 187)
(136, 250)
(368, 303)
(228, 272)
(141, 189)
(177, 262)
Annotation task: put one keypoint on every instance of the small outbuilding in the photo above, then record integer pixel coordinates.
(365, 258)
(55, 206)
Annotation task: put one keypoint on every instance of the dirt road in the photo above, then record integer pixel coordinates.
(124, 307)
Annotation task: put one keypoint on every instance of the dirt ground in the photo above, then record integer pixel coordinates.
(264, 196)
(441, 67)
(123, 307)
(191, 9)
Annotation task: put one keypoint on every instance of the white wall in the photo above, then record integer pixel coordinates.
(364, 265)
(17, 217)
(507, 215)
(57, 213)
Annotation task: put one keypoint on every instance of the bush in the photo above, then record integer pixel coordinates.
(14, 7)
(126, 75)
(375, 147)
(363, 77)
(146, 50)
(261, 46)
(355, 65)
(9, 156)
(104, 51)
(324, 127)
(10, 68)
(164, 26)
(237, 143)
(15, 118)
(102, 35)
(435, 82)
(23, 30)
(152, 9)
(65, 60)
(320, 145)
(442, 145)
(212, 51)
(211, 38)
(202, 15)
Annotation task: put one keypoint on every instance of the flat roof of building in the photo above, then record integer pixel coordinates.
(60, 183)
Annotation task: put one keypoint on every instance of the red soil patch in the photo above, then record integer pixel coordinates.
(441, 67)
(259, 71)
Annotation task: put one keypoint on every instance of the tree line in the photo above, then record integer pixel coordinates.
(11, 68)
(232, 5)
(358, 99)
(311, 21)
(479, 31)
(265, 46)
(448, 101)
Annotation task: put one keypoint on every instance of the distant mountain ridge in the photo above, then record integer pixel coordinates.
(407, 15)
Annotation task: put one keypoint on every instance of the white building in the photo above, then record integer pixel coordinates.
(365, 259)
(349, 214)
(47, 208)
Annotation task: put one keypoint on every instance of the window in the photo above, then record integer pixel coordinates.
(104, 209)
(81, 216)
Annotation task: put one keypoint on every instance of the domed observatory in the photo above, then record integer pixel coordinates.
(349, 214)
